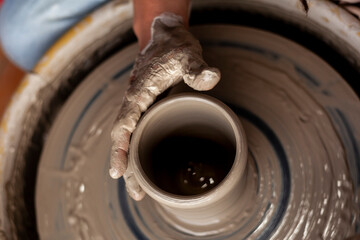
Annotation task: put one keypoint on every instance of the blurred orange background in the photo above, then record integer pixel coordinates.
(10, 77)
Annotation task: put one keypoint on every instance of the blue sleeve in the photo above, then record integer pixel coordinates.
(28, 28)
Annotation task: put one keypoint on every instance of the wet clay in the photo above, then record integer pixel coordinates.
(300, 180)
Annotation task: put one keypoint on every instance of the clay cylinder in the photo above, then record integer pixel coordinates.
(196, 181)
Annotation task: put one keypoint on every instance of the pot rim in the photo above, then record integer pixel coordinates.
(231, 180)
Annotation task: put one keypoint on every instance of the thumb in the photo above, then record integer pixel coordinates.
(204, 80)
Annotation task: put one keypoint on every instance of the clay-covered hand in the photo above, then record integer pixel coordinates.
(172, 55)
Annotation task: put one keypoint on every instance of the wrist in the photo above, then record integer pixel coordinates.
(145, 11)
(142, 30)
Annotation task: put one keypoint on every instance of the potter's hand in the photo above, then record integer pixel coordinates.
(172, 55)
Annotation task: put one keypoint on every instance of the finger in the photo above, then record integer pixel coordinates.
(137, 99)
(121, 132)
(133, 187)
(204, 80)
(118, 161)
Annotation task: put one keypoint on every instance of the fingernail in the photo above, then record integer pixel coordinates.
(114, 173)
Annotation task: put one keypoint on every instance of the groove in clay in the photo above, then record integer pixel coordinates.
(297, 113)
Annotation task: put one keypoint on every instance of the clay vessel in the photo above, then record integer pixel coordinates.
(195, 114)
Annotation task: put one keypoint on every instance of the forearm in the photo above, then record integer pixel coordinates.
(146, 10)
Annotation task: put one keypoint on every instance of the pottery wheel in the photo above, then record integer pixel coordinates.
(301, 119)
